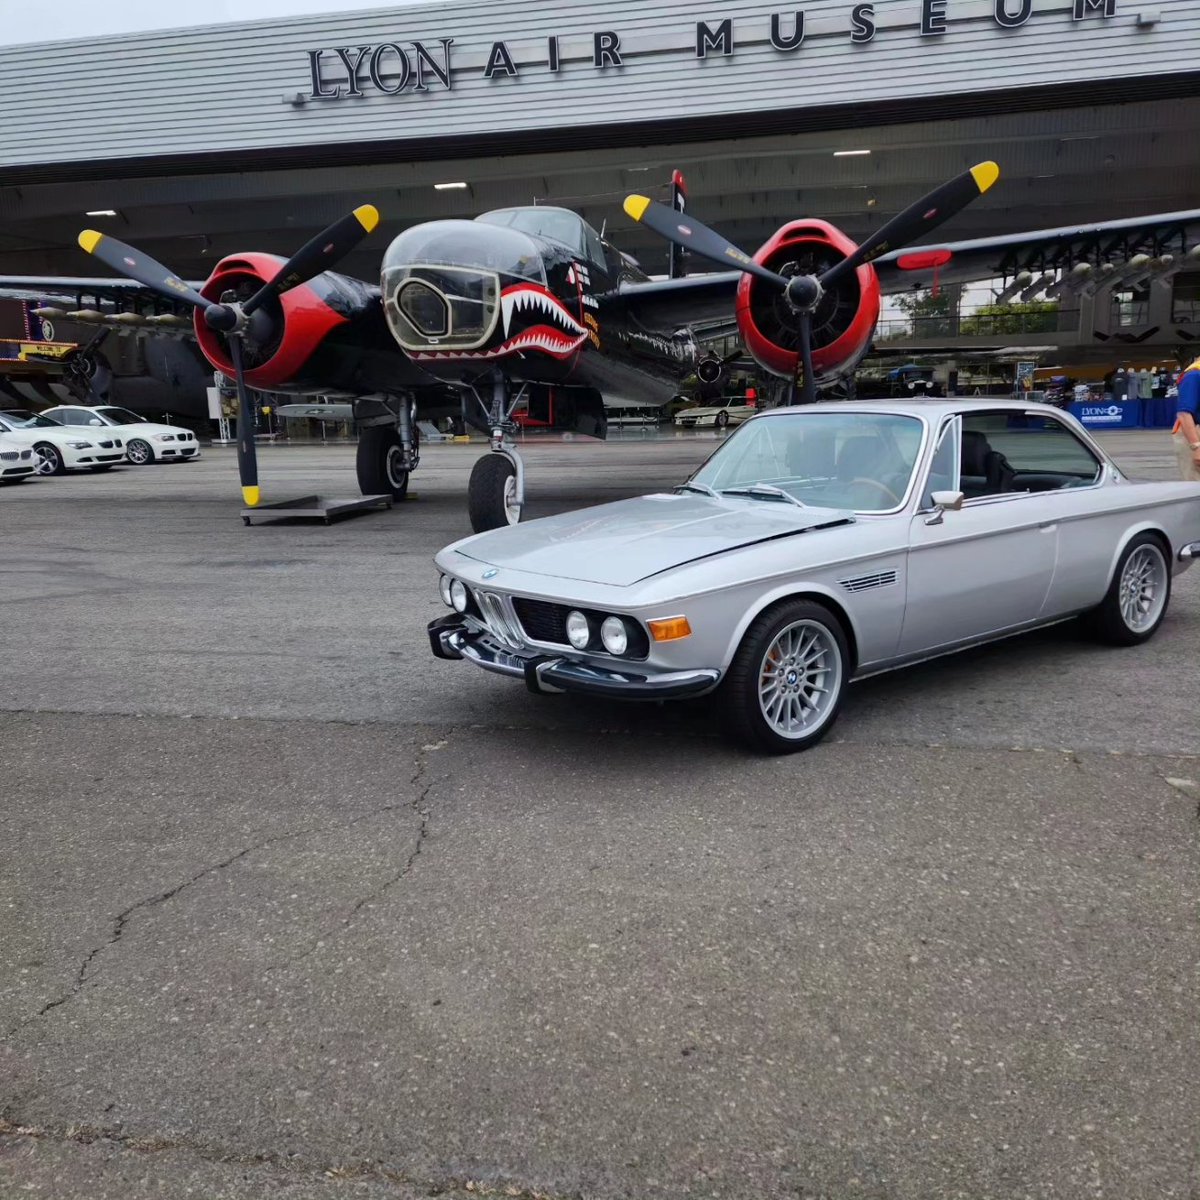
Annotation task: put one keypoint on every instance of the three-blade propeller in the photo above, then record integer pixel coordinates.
(803, 292)
(315, 256)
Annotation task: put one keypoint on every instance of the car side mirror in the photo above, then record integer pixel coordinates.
(95, 421)
(943, 502)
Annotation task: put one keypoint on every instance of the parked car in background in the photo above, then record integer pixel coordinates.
(817, 545)
(731, 410)
(56, 448)
(145, 441)
(17, 462)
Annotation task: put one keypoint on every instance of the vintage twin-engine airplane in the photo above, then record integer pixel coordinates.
(531, 305)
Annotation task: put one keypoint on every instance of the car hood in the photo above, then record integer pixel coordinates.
(622, 543)
(146, 429)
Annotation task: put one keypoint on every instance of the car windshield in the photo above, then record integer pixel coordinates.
(120, 416)
(857, 460)
(22, 418)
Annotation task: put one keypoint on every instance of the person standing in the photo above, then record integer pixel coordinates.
(1186, 434)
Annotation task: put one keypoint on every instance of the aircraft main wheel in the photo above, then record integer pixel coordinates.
(492, 493)
(380, 462)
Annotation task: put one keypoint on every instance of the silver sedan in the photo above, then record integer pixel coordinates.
(819, 545)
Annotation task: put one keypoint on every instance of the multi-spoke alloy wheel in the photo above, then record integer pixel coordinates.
(783, 688)
(1143, 588)
(1138, 595)
(799, 674)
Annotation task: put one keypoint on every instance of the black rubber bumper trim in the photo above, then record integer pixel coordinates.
(451, 623)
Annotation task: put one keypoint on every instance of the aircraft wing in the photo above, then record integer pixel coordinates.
(670, 304)
(1054, 251)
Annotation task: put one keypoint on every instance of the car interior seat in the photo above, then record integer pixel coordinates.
(984, 471)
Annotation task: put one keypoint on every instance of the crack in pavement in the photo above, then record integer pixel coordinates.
(417, 805)
(366, 1172)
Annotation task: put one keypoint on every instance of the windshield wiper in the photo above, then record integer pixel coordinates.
(766, 491)
(702, 488)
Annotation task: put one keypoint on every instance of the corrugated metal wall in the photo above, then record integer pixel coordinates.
(223, 88)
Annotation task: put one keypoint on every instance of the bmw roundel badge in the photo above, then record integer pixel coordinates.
(491, 573)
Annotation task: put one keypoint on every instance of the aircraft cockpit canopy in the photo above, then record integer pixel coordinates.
(554, 224)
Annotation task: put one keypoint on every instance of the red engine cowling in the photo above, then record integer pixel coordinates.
(301, 320)
(844, 320)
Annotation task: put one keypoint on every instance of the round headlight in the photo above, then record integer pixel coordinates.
(579, 632)
(614, 635)
(458, 595)
(444, 588)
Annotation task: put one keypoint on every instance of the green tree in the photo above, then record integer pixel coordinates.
(995, 320)
(929, 315)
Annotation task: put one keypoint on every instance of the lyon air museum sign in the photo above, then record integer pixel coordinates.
(392, 68)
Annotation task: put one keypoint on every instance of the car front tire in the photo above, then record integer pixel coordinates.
(784, 686)
(1137, 599)
(50, 460)
(139, 453)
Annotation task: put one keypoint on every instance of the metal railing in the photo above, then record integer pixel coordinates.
(989, 325)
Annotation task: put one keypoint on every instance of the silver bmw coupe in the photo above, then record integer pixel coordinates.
(819, 545)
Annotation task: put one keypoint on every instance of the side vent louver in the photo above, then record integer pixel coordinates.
(864, 583)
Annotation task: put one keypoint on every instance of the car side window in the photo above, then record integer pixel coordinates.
(1006, 453)
(71, 416)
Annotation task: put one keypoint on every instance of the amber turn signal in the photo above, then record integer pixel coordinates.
(670, 629)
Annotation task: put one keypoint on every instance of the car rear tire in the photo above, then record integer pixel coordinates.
(379, 462)
(1137, 599)
(492, 493)
(784, 687)
(139, 453)
(50, 459)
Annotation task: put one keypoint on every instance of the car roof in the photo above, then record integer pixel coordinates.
(930, 410)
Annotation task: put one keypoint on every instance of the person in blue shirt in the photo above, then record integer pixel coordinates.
(1186, 434)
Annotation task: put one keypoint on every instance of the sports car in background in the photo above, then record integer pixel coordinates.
(145, 441)
(56, 448)
(818, 545)
(731, 411)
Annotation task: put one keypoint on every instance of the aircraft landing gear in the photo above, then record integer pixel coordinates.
(496, 492)
(388, 452)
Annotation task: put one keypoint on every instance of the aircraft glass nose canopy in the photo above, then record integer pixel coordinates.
(442, 281)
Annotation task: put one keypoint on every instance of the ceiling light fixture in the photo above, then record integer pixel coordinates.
(850, 153)
(101, 212)
(446, 187)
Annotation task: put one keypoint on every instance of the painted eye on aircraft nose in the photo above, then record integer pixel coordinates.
(425, 308)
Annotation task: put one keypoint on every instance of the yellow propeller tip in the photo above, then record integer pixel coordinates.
(636, 206)
(368, 216)
(89, 239)
(251, 496)
(985, 174)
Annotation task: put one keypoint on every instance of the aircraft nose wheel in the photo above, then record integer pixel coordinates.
(493, 493)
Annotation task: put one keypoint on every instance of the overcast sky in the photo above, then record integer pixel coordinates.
(70, 19)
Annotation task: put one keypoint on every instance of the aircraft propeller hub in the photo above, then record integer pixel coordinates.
(804, 293)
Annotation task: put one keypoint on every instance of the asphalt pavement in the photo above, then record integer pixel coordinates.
(294, 910)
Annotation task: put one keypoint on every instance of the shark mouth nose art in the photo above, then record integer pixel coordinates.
(533, 320)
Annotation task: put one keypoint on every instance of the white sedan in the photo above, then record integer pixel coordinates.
(56, 448)
(16, 460)
(145, 441)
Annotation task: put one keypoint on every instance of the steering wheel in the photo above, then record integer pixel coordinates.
(883, 487)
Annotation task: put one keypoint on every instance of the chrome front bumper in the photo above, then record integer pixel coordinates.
(451, 638)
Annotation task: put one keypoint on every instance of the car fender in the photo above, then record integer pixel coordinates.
(788, 591)
(1144, 526)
